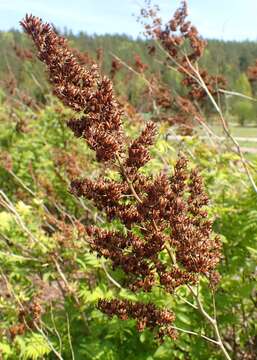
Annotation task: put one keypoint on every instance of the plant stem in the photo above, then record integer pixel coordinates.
(212, 321)
(123, 172)
(194, 333)
(224, 125)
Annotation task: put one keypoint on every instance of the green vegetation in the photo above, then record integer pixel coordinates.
(40, 186)
(50, 279)
(229, 59)
(246, 136)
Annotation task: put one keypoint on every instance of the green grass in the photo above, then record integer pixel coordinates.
(238, 131)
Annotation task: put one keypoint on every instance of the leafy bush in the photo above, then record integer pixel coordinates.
(51, 281)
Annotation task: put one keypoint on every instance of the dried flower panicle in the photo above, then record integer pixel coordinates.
(166, 237)
(71, 81)
(17, 329)
(131, 113)
(83, 58)
(28, 317)
(252, 76)
(214, 279)
(81, 88)
(177, 204)
(100, 56)
(196, 251)
(160, 92)
(252, 72)
(172, 109)
(10, 84)
(115, 67)
(6, 161)
(139, 65)
(184, 47)
(138, 153)
(146, 315)
(184, 115)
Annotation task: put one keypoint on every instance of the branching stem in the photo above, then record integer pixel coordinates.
(212, 321)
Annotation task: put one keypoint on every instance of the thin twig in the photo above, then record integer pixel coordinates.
(123, 171)
(71, 291)
(185, 300)
(69, 337)
(224, 125)
(59, 356)
(235, 93)
(55, 328)
(110, 277)
(195, 333)
(11, 290)
(211, 320)
(8, 204)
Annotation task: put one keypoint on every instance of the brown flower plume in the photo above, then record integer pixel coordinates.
(81, 89)
(184, 47)
(159, 215)
(165, 239)
(252, 76)
(146, 315)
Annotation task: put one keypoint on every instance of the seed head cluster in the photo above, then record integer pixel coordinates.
(80, 88)
(146, 315)
(184, 47)
(165, 238)
(252, 73)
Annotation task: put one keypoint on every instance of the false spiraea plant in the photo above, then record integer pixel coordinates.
(183, 46)
(165, 236)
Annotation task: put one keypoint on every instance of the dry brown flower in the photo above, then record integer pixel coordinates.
(139, 65)
(115, 67)
(252, 72)
(81, 89)
(165, 238)
(146, 315)
(184, 47)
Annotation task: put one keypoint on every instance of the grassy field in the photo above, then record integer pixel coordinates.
(247, 134)
(238, 131)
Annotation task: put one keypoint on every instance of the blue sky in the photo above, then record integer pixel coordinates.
(223, 19)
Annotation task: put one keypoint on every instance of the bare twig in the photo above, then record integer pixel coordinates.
(69, 337)
(224, 125)
(71, 291)
(128, 180)
(59, 356)
(110, 277)
(55, 328)
(195, 333)
(235, 93)
(212, 321)
(9, 206)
